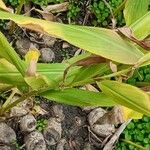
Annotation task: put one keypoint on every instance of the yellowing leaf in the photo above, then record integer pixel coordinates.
(141, 28)
(3, 6)
(103, 42)
(135, 9)
(144, 61)
(31, 58)
(32, 54)
(127, 95)
(130, 114)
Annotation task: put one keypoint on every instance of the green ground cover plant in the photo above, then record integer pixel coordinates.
(140, 76)
(135, 135)
(102, 12)
(41, 124)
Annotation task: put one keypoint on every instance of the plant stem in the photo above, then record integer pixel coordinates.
(113, 74)
(19, 8)
(134, 144)
(21, 99)
(9, 98)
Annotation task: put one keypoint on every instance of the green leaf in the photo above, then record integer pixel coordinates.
(85, 74)
(130, 114)
(141, 28)
(79, 97)
(39, 82)
(127, 95)
(9, 74)
(144, 61)
(135, 9)
(3, 6)
(104, 42)
(7, 52)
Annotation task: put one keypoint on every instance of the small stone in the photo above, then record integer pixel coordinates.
(28, 123)
(52, 133)
(23, 46)
(4, 147)
(65, 45)
(47, 55)
(17, 112)
(35, 141)
(103, 130)
(7, 134)
(58, 112)
(95, 114)
(61, 145)
(48, 40)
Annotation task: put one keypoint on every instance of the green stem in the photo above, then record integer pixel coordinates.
(9, 98)
(21, 99)
(19, 8)
(134, 144)
(113, 74)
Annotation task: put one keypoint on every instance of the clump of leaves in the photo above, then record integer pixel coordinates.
(102, 12)
(137, 131)
(13, 3)
(141, 75)
(41, 124)
(74, 8)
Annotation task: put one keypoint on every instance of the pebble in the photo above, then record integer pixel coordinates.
(52, 133)
(27, 123)
(7, 134)
(35, 141)
(47, 55)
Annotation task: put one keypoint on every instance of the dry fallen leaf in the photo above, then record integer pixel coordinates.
(90, 87)
(57, 8)
(65, 45)
(127, 32)
(46, 15)
(37, 110)
(113, 66)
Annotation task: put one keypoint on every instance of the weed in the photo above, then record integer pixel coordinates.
(73, 9)
(102, 12)
(41, 124)
(140, 75)
(138, 132)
